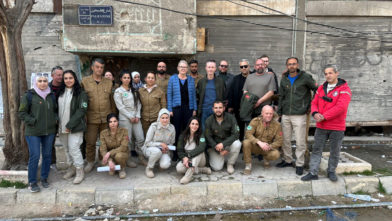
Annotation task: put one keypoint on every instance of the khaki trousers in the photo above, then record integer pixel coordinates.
(198, 161)
(296, 124)
(146, 124)
(248, 148)
(120, 159)
(92, 134)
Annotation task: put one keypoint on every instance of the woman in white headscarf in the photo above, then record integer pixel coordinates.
(136, 81)
(159, 136)
(38, 110)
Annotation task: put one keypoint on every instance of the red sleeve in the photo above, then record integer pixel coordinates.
(340, 106)
(314, 107)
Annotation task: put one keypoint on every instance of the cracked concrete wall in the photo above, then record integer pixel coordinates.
(136, 29)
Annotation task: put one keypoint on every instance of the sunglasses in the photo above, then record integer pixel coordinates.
(42, 74)
(42, 81)
(224, 66)
(244, 66)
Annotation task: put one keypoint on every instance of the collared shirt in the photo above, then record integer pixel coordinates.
(225, 132)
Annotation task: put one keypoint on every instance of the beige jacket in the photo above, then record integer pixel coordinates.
(100, 99)
(114, 144)
(257, 130)
(151, 103)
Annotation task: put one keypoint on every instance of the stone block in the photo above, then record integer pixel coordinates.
(7, 196)
(191, 189)
(76, 196)
(14, 175)
(217, 189)
(324, 187)
(347, 163)
(114, 196)
(387, 183)
(294, 188)
(46, 196)
(365, 184)
(268, 188)
(151, 192)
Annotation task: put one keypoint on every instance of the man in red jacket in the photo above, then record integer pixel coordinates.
(329, 109)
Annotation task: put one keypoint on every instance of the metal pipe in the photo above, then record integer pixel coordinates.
(201, 213)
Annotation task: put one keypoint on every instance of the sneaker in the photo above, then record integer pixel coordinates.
(34, 188)
(284, 164)
(309, 177)
(44, 183)
(299, 170)
(332, 176)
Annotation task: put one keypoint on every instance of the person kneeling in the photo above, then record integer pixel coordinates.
(159, 136)
(190, 148)
(114, 146)
(263, 136)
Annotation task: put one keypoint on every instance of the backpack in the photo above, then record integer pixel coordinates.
(30, 98)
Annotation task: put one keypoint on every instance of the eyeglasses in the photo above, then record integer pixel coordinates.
(244, 66)
(42, 81)
(224, 66)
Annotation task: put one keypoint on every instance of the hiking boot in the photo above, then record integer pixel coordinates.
(122, 174)
(230, 168)
(248, 169)
(187, 177)
(44, 183)
(299, 170)
(309, 177)
(70, 173)
(142, 160)
(332, 176)
(34, 188)
(284, 164)
(205, 170)
(149, 172)
(266, 164)
(79, 175)
(89, 167)
(130, 163)
(111, 173)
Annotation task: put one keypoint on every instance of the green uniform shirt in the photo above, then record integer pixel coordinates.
(225, 132)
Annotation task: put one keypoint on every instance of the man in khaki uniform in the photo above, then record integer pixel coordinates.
(162, 78)
(101, 103)
(263, 136)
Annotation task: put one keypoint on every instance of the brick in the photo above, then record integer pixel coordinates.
(324, 187)
(78, 196)
(268, 188)
(151, 192)
(294, 188)
(365, 184)
(223, 189)
(46, 196)
(7, 196)
(114, 196)
(191, 189)
(387, 183)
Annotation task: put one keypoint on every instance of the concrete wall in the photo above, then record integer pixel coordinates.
(136, 29)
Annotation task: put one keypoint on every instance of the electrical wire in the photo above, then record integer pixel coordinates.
(246, 6)
(253, 23)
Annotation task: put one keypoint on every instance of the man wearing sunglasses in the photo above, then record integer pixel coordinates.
(329, 109)
(260, 84)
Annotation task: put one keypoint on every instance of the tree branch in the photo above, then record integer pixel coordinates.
(23, 8)
(3, 16)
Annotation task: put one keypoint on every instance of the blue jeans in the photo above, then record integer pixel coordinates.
(204, 115)
(34, 143)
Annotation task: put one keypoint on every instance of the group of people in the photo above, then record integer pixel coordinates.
(199, 120)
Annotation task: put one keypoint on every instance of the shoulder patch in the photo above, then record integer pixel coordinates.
(125, 94)
(249, 127)
(84, 104)
(202, 139)
(335, 94)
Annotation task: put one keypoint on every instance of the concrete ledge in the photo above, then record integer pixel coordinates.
(151, 192)
(191, 189)
(324, 187)
(114, 196)
(223, 189)
(268, 188)
(7, 196)
(365, 184)
(14, 175)
(288, 188)
(46, 196)
(387, 183)
(76, 196)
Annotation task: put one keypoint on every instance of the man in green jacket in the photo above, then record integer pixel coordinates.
(222, 133)
(294, 104)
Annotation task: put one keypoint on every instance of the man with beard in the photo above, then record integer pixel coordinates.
(260, 84)
(221, 133)
(222, 73)
(235, 94)
(294, 104)
(193, 66)
(162, 77)
(269, 70)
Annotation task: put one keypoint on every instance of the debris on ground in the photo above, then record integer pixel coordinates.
(361, 197)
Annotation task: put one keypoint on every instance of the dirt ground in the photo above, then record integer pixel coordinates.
(380, 156)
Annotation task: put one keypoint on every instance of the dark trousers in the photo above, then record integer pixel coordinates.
(180, 118)
(241, 124)
(320, 138)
